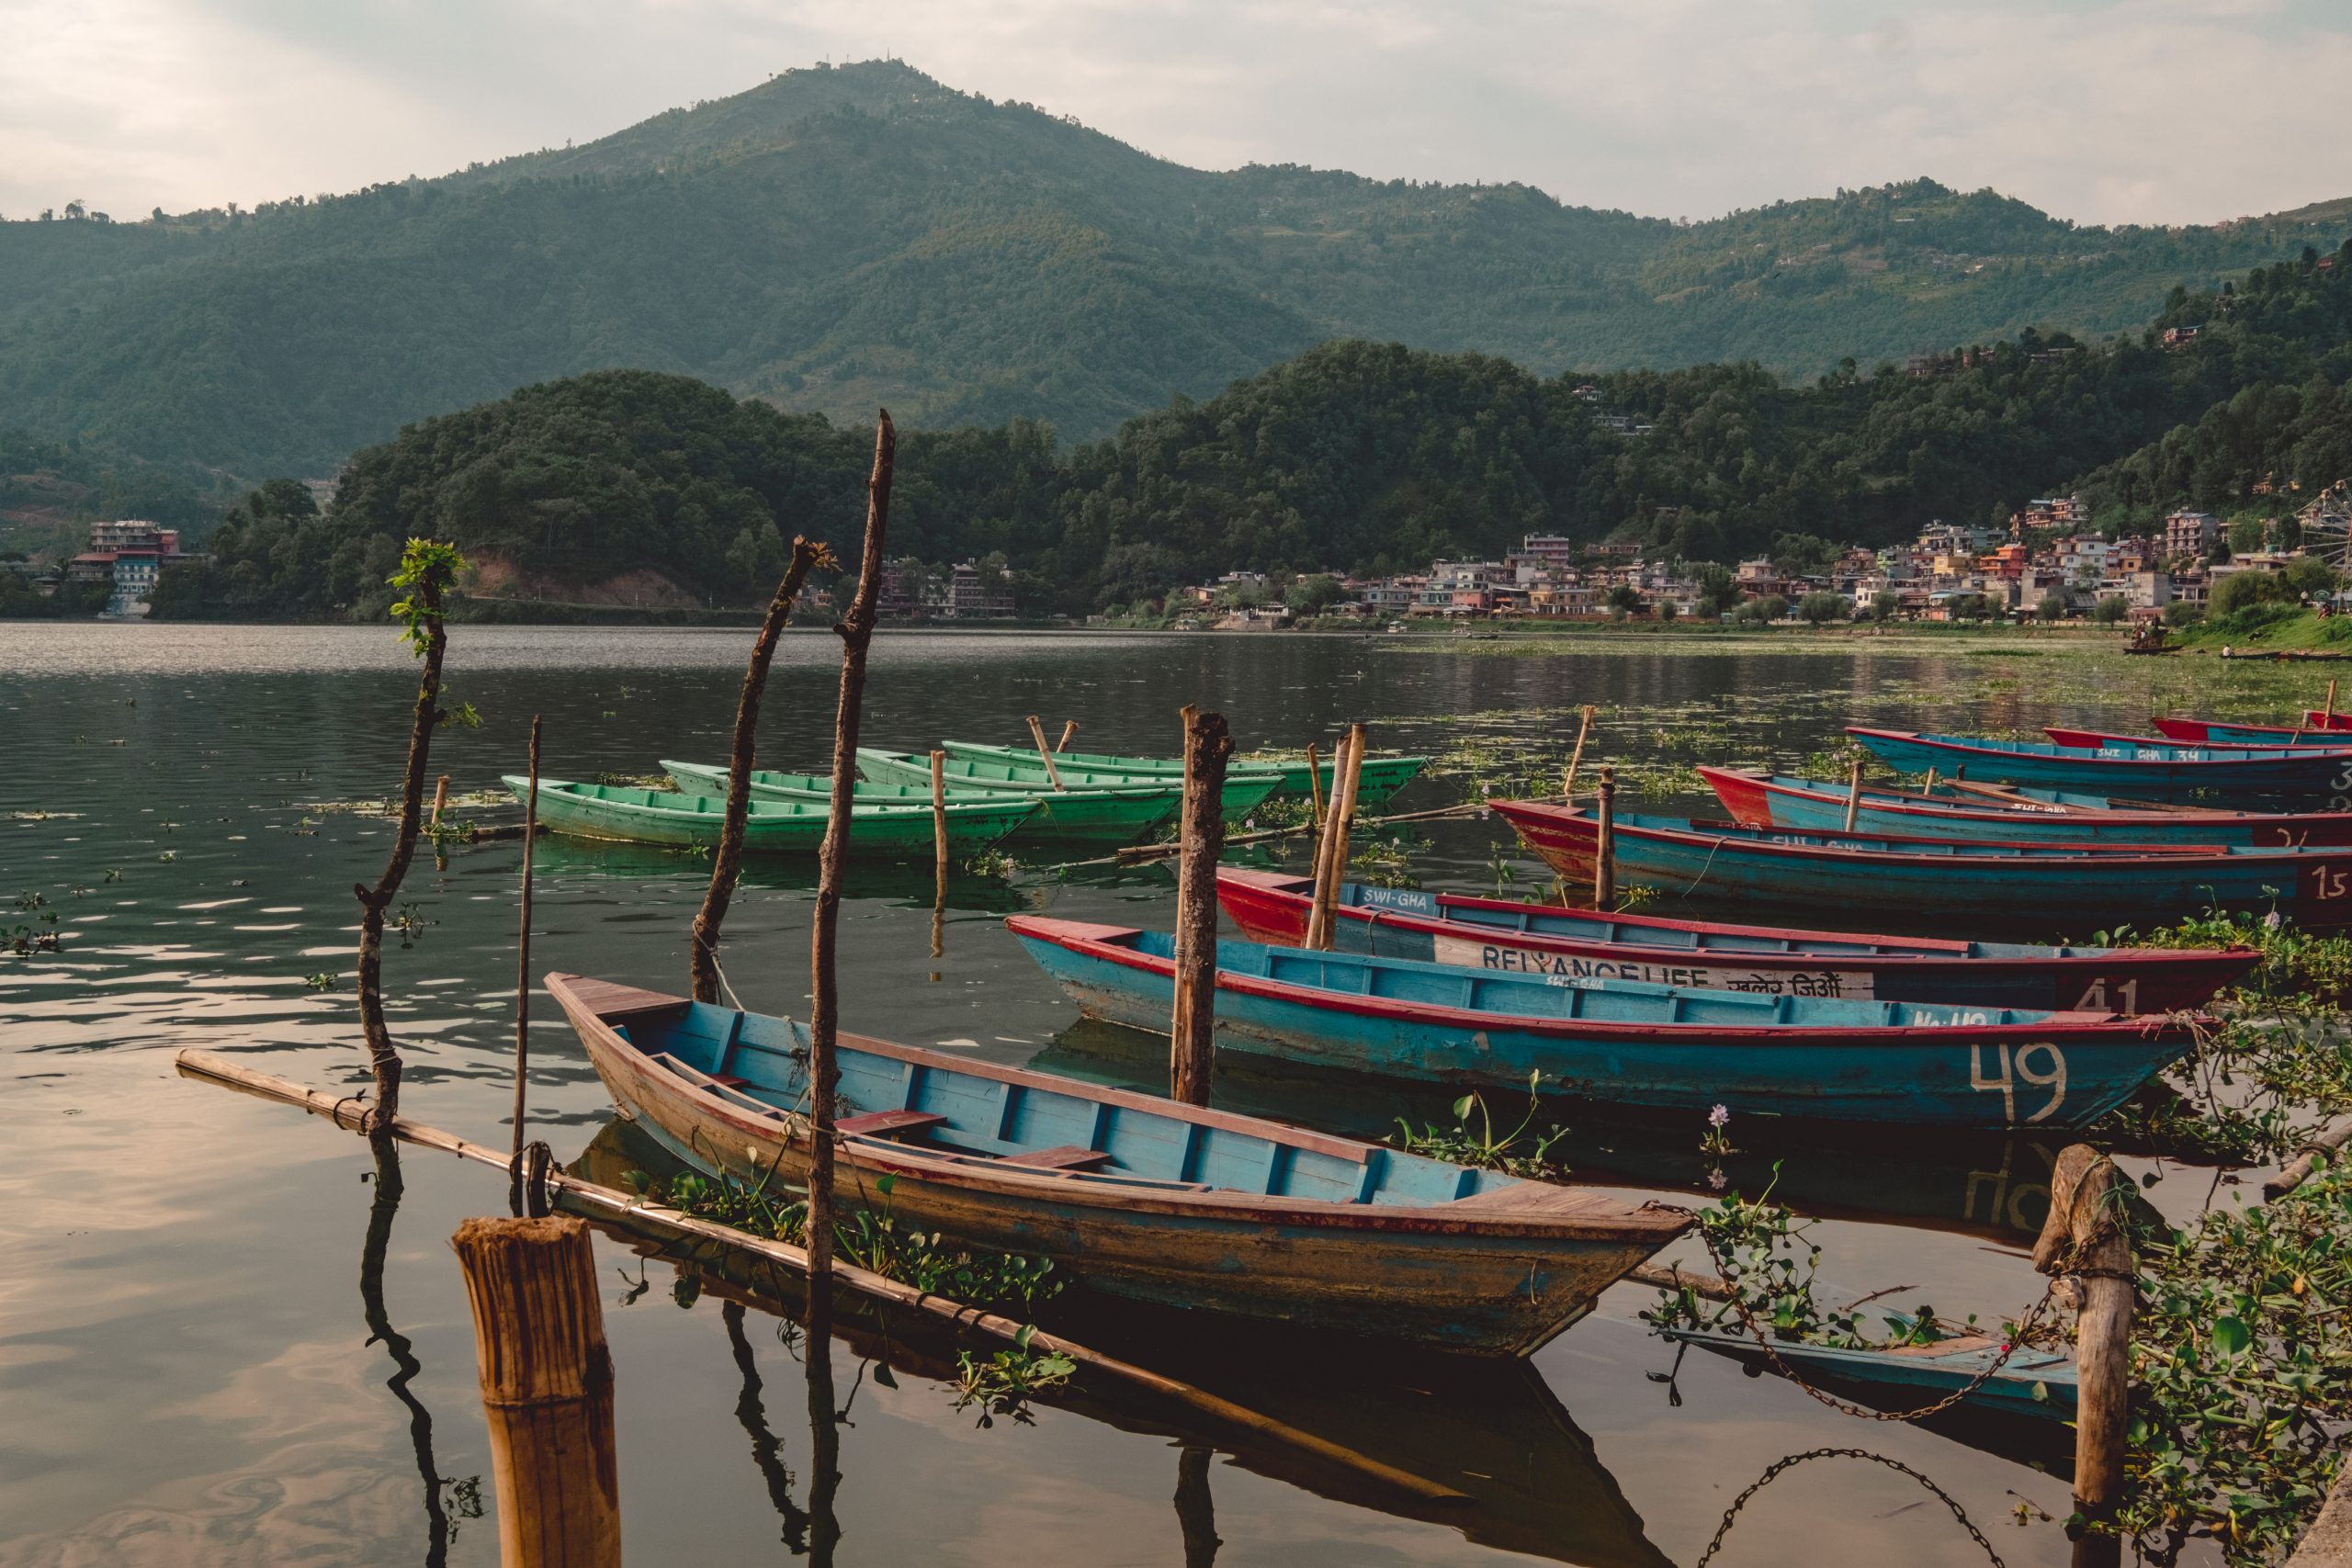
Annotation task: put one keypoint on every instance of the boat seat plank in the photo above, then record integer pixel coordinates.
(1539, 1198)
(608, 1000)
(729, 1080)
(1068, 1156)
(888, 1123)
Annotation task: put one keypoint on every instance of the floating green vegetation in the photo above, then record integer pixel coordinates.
(1002, 1383)
(633, 781)
(1519, 1151)
(38, 935)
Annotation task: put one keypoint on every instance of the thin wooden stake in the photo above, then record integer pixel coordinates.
(1929, 788)
(547, 1390)
(2327, 714)
(523, 945)
(856, 630)
(1584, 728)
(440, 799)
(2083, 1236)
(1314, 786)
(726, 861)
(1604, 858)
(1853, 792)
(1045, 752)
(1069, 727)
(939, 853)
(1192, 1055)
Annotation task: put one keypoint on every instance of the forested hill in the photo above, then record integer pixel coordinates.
(632, 487)
(838, 238)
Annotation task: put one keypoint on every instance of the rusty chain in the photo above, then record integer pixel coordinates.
(1773, 1471)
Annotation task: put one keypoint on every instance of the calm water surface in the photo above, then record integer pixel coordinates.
(224, 1339)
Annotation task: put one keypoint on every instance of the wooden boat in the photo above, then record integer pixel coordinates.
(1620, 1041)
(1990, 884)
(660, 817)
(1495, 934)
(767, 784)
(1138, 1196)
(1381, 776)
(2030, 1382)
(1004, 768)
(1087, 808)
(1772, 800)
(2160, 747)
(2316, 778)
(2225, 732)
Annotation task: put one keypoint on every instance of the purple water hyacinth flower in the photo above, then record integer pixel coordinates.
(1718, 1116)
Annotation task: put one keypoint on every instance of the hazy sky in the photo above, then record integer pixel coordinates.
(2103, 110)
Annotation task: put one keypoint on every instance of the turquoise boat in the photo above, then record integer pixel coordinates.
(2318, 779)
(1137, 1196)
(1381, 778)
(774, 827)
(2030, 1382)
(1086, 809)
(1667, 1047)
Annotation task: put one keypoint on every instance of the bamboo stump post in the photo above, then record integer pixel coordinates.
(939, 853)
(1314, 789)
(1208, 744)
(2084, 1238)
(1045, 752)
(1331, 865)
(440, 799)
(547, 1389)
(1853, 790)
(522, 947)
(2327, 714)
(1604, 855)
(1069, 729)
(1584, 728)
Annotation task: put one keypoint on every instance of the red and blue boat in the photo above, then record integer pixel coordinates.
(1540, 939)
(2315, 778)
(1665, 1047)
(2005, 886)
(1772, 800)
(2225, 732)
(2165, 746)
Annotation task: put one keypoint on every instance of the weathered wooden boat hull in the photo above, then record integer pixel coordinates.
(1110, 815)
(1490, 933)
(1183, 1215)
(2009, 887)
(1970, 1069)
(2318, 779)
(1763, 800)
(1381, 777)
(657, 817)
(2030, 1382)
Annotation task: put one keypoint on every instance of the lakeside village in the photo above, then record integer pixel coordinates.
(2051, 566)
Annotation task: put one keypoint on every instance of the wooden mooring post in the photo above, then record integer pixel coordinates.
(1576, 758)
(1069, 729)
(1045, 752)
(1604, 850)
(440, 799)
(1191, 1050)
(1314, 786)
(547, 1390)
(1331, 848)
(523, 944)
(939, 853)
(2083, 1239)
(1853, 790)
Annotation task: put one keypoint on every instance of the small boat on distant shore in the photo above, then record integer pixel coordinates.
(1771, 800)
(1381, 777)
(2316, 778)
(1663, 1047)
(1135, 1195)
(1544, 939)
(798, 826)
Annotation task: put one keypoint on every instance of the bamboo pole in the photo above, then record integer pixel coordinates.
(856, 631)
(2327, 714)
(1929, 787)
(1341, 822)
(2083, 1236)
(939, 853)
(547, 1389)
(440, 799)
(630, 1212)
(1604, 855)
(1315, 788)
(1576, 758)
(1853, 792)
(430, 633)
(726, 861)
(523, 944)
(2326, 1146)
(1045, 752)
(1069, 727)
(1192, 1051)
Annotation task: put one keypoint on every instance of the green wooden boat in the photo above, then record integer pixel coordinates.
(1382, 777)
(1002, 767)
(1085, 810)
(787, 826)
(766, 785)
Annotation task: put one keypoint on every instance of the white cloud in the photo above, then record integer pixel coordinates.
(2104, 110)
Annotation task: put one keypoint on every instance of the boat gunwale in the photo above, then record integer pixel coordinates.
(1173, 788)
(2084, 756)
(1613, 1221)
(2106, 737)
(1884, 798)
(795, 811)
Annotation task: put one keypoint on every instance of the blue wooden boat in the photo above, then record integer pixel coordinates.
(1773, 800)
(2316, 779)
(1137, 1196)
(2030, 1382)
(1620, 1041)
(2317, 727)
(1544, 939)
(1987, 884)
(2162, 747)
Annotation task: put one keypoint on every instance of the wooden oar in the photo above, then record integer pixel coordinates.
(631, 1213)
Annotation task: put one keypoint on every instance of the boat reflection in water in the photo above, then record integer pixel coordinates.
(1995, 1184)
(1481, 1446)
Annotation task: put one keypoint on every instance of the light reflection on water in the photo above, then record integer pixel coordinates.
(186, 1309)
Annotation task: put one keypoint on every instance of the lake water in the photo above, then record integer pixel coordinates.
(222, 1340)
